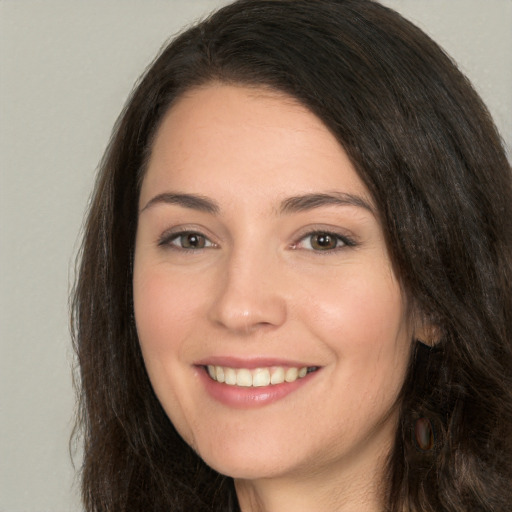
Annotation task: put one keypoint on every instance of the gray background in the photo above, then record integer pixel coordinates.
(66, 68)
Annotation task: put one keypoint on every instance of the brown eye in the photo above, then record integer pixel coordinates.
(192, 241)
(324, 241)
(186, 241)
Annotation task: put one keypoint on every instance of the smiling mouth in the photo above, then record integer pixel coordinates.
(257, 377)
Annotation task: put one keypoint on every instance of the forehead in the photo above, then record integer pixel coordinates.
(220, 138)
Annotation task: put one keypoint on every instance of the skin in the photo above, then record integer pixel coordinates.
(261, 288)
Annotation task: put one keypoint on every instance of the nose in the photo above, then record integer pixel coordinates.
(249, 294)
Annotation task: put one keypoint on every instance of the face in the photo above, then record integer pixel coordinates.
(272, 325)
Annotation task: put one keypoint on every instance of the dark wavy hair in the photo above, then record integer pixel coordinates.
(425, 146)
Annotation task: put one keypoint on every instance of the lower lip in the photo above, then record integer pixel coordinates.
(250, 397)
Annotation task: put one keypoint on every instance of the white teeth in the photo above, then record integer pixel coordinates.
(244, 378)
(230, 375)
(258, 377)
(277, 376)
(291, 375)
(261, 377)
(219, 374)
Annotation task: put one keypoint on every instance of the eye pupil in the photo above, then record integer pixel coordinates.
(192, 241)
(323, 241)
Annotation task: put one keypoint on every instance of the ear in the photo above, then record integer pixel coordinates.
(427, 332)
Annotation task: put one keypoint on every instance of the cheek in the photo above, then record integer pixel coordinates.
(166, 312)
(362, 317)
(362, 301)
(165, 307)
(367, 332)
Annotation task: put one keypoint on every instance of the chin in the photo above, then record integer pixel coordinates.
(246, 465)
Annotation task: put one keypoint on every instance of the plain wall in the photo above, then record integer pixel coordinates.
(66, 68)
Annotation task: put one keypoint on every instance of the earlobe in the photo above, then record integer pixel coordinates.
(428, 333)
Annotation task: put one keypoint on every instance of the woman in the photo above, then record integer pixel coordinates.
(294, 286)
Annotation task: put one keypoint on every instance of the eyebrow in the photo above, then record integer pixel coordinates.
(310, 201)
(192, 201)
(294, 204)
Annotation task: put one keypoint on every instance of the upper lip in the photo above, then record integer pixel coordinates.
(251, 363)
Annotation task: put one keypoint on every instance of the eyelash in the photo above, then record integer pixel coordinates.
(341, 241)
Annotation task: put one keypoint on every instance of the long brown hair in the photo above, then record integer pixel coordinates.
(425, 146)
